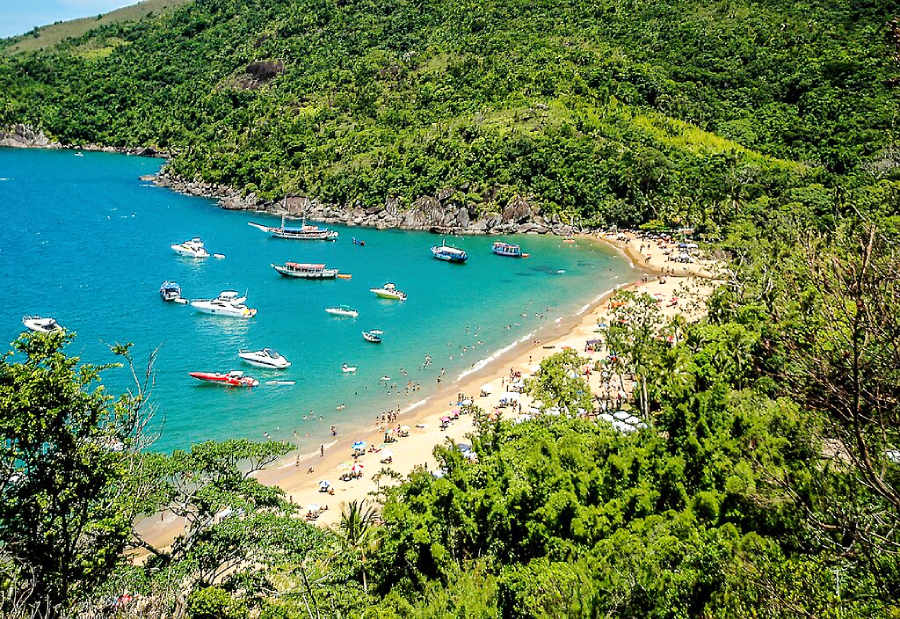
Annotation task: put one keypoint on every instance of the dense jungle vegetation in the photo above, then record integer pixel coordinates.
(619, 111)
(767, 483)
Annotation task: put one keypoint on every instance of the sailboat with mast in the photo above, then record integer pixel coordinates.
(303, 233)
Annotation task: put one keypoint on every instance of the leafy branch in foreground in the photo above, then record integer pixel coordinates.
(67, 454)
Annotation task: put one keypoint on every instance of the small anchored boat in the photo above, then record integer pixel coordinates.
(359, 242)
(39, 324)
(348, 368)
(342, 310)
(228, 303)
(449, 253)
(389, 291)
(234, 378)
(305, 271)
(170, 291)
(266, 358)
(192, 249)
(507, 249)
(373, 336)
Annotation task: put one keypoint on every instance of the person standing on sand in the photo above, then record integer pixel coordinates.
(321, 451)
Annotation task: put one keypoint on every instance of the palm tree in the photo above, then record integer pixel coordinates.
(357, 532)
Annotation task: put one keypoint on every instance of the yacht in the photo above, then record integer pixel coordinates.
(234, 378)
(305, 271)
(192, 249)
(347, 368)
(39, 324)
(170, 291)
(265, 358)
(342, 310)
(389, 291)
(228, 303)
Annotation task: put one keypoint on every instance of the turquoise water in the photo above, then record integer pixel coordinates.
(85, 241)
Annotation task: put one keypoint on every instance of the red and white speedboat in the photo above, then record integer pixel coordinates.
(234, 378)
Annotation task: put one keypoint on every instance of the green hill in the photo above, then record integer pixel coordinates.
(619, 111)
(48, 36)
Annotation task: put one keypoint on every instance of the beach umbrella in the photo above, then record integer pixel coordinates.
(356, 468)
(405, 428)
(313, 507)
(324, 484)
(682, 245)
(359, 445)
(487, 388)
(445, 418)
(466, 402)
(387, 453)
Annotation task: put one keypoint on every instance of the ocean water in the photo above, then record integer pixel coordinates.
(85, 241)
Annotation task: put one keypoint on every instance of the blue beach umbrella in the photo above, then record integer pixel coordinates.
(359, 445)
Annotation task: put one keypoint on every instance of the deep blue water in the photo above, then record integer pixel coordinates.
(85, 241)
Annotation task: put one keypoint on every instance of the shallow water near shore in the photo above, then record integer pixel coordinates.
(85, 241)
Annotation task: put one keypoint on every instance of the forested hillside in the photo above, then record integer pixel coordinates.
(619, 111)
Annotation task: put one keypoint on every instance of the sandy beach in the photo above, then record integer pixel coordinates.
(300, 476)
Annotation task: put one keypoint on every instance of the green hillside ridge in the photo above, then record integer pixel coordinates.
(44, 37)
(613, 111)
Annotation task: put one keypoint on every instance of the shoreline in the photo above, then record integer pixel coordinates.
(290, 472)
(301, 485)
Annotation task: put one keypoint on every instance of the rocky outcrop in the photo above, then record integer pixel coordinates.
(23, 136)
(439, 213)
(20, 136)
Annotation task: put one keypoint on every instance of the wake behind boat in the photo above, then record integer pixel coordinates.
(266, 358)
(234, 378)
(449, 253)
(39, 324)
(228, 303)
(389, 291)
(305, 271)
(192, 249)
(342, 310)
(303, 233)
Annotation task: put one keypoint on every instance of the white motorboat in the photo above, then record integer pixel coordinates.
(192, 249)
(40, 324)
(348, 368)
(342, 310)
(265, 358)
(228, 303)
(389, 291)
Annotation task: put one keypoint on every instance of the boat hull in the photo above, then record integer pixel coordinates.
(323, 274)
(228, 312)
(451, 257)
(38, 324)
(264, 364)
(225, 380)
(342, 313)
